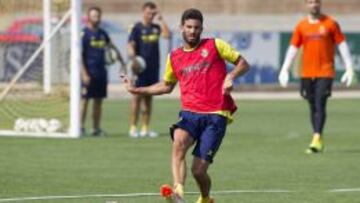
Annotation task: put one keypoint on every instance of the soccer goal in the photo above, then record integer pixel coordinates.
(40, 62)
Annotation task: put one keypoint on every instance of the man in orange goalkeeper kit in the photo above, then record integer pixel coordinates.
(319, 35)
(207, 106)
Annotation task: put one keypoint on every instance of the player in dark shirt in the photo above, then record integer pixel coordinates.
(95, 42)
(144, 41)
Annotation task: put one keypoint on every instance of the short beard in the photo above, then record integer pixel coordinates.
(316, 13)
(95, 25)
(192, 43)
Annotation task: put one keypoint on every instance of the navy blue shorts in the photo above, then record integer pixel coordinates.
(207, 130)
(147, 78)
(96, 89)
(144, 82)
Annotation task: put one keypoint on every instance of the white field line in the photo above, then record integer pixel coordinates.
(224, 192)
(149, 194)
(345, 190)
(77, 197)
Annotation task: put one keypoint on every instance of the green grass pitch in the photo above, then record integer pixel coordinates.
(263, 150)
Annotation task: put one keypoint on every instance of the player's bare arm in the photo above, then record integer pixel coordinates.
(118, 54)
(131, 49)
(85, 75)
(156, 89)
(165, 32)
(119, 58)
(131, 52)
(241, 67)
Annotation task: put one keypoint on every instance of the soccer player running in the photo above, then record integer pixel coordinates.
(205, 86)
(144, 41)
(318, 34)
(95, 41)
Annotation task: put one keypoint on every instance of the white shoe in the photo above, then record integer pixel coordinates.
(178, 199)
(143, 134)
(134, 134)
(151, 134)
(169, 195)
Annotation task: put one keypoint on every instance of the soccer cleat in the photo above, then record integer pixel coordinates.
(144, 131)
(98, 133)
(133, 133)
(205, 200)
(143, 134)
(170, 195)
(316, 146)
(151, 134)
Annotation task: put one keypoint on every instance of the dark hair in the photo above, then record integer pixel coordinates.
(192, 13)
(149, 4)
(94, 8)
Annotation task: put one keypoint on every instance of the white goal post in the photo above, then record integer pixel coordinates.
(76, 64)
(23, 124)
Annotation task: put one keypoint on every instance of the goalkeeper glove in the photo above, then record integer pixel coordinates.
(347, 77)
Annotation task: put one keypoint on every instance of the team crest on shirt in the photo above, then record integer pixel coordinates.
(322, 30)
(156, 31)
(204, 53)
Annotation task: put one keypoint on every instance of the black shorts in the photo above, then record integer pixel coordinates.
(315, 87)
(96, 89)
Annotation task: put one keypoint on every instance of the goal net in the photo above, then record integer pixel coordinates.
(35, 69)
